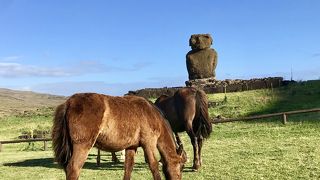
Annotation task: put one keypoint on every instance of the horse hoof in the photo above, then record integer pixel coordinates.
(195, 168)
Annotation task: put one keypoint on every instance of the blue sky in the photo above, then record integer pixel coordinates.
(64, 47)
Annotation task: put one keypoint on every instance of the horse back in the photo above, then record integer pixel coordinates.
(126, 122)
(112, 123)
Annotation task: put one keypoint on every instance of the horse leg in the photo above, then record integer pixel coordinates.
(179, 142)
(123, 154)
(152, 161)
(79, 156)
(114, 157)
(194, 142)
(200, 142)
(98, 157)
(128, 163)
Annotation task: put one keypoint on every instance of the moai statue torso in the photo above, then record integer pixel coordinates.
(201, 60)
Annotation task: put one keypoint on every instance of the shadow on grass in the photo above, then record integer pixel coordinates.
(43, 162)
(105, 165)
(49, 163)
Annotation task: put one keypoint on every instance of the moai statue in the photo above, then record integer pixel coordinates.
(201, 60)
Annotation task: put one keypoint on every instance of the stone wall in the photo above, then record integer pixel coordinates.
(211, 86)
(154, 92)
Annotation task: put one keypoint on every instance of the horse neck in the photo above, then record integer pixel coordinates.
(171, 160)
(168, 147)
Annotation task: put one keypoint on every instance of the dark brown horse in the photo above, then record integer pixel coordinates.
(112, 124)
(187, 110)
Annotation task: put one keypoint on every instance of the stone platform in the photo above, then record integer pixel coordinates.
(210, 86)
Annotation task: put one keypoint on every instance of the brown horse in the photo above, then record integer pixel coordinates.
(187, 110)
(112, 124)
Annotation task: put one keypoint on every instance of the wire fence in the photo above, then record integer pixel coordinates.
(45, 141)
(283, 114)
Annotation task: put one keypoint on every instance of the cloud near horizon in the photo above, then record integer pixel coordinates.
(16, 70)
(10, 58)
(68, 88)
(298, 75)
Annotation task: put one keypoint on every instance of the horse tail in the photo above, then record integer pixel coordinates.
(205, 127)
(61, 140)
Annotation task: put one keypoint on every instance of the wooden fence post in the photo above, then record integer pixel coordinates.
(98, 158)
(284, 120)
(279, 83)
(45, 145)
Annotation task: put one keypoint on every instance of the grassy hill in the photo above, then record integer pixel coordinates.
(264, 149)
(25, 102)
(303, 95)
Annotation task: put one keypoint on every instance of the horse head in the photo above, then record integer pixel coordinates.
(174, 170)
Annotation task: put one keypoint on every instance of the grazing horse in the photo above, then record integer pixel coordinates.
(113, 124)
(187, 110)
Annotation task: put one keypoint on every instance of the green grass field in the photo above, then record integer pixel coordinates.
(261, 149)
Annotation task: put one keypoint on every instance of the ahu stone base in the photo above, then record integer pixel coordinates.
(211, 85)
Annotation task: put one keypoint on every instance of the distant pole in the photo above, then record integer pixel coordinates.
(45, 145)
(284, 120)
(291, 74)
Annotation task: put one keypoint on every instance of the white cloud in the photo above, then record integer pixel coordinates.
(25, 88)
(13, 70)
(10, 58)
(16, 70)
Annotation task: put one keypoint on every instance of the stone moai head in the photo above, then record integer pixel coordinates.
(200, 41)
